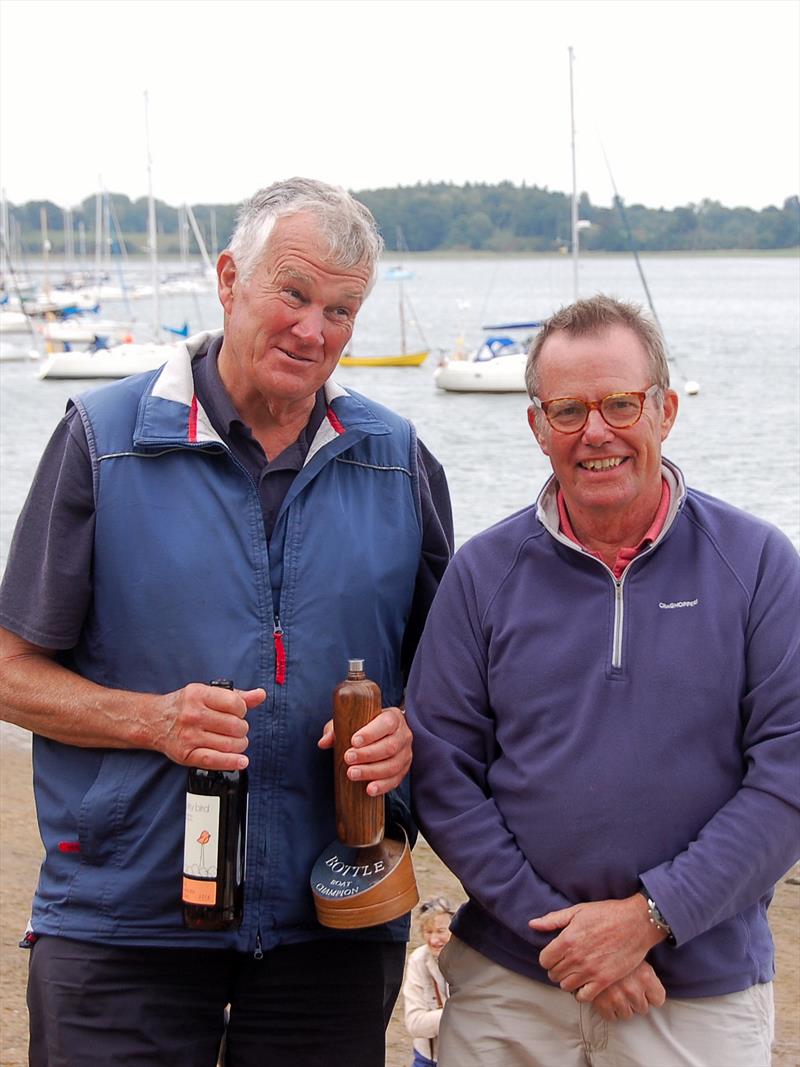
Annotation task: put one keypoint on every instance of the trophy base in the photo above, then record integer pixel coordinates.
(358, 887)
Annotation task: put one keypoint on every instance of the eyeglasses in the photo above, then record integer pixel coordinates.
(568, 414)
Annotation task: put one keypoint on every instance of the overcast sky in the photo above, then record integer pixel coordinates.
(691, 99)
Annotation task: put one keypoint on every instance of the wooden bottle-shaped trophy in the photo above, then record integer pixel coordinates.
(364, 878)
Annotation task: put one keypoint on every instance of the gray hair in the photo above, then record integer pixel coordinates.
(590, 317)
(429, 909)
(347, 225)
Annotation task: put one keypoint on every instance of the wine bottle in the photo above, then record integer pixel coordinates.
(359, 817)
(214, 846)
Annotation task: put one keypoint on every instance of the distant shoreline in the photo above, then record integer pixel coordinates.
(57, 260)
(700, 253)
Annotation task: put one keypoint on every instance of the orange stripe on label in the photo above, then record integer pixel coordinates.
(196, 892)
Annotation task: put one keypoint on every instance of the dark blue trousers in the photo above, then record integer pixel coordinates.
(318, 1004)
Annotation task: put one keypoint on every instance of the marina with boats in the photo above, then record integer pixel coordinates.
(726, 318)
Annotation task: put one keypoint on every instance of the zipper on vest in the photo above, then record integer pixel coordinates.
(280, 652)
(259, 952)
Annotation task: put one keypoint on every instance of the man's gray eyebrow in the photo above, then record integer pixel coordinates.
(299, 276)
(293, 272)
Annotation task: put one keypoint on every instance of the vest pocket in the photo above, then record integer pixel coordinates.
(131, 834)
(131, 814)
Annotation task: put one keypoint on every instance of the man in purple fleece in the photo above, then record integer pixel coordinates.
(607, 738)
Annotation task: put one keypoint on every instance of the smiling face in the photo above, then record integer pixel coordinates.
(609, 477)
(436, 932)
(287, 325)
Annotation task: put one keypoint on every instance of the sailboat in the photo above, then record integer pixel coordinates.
(121, 360)
(495, 366)
(403, 358)
(498, 364)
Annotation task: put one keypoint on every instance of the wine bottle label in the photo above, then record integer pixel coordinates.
(200, 849)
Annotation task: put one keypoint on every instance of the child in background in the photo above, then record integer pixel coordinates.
(424, 988)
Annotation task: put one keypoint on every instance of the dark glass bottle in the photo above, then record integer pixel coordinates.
(214, 846)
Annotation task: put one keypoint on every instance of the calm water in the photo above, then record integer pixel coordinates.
(731, 324)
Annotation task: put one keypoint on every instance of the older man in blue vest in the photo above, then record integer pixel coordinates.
(234, 514)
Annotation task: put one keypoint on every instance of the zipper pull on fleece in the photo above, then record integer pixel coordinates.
(280, 653)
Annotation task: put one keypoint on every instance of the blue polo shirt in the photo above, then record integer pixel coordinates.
(272, 476)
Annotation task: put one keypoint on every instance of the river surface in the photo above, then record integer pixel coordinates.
(732, 324)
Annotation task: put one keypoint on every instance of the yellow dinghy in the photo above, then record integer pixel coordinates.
(403, 358)
(408, 359)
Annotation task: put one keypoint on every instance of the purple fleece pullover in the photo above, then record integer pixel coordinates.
(575, 735)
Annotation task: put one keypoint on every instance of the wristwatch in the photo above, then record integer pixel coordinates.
(656, 918)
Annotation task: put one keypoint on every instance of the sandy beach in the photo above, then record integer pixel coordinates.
(20, 854)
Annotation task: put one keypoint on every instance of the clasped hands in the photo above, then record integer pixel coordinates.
(599, 955)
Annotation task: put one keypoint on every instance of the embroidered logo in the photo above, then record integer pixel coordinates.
(679, 604)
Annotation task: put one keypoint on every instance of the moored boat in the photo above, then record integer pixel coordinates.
(496, 366)
(85, 331)
(107, 363)
(397, 359)
(405, 359)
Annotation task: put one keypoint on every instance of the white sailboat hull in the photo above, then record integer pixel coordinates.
(505, 374)
(118, 362)
(76, 331)
(14, 322)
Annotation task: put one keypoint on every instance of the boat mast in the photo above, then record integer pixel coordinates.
(69, 239)
(151, 226)
(45, 252)
(401, 303)
(402, 318)
(5, 244)
(575, 229)
(108, 238)
(98, 240)
(183, 239)
(198, 236)
(213, 233)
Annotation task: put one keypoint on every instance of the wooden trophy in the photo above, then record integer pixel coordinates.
(364, 878)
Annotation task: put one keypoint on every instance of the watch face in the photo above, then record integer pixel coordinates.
(654, 914)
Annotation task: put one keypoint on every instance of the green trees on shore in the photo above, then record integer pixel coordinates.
(510, 218)
(444, 217)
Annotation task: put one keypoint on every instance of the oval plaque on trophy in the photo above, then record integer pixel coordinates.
(355, 887)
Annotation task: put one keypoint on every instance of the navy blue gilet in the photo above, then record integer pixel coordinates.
(182, 593)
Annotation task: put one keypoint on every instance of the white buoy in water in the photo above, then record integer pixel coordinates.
(691, 388)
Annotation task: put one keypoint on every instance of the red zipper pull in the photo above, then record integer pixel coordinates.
(280, 653)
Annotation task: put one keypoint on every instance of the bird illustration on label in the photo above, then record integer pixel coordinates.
(202, 841)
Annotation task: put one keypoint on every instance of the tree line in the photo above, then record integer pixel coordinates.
(443, 217)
